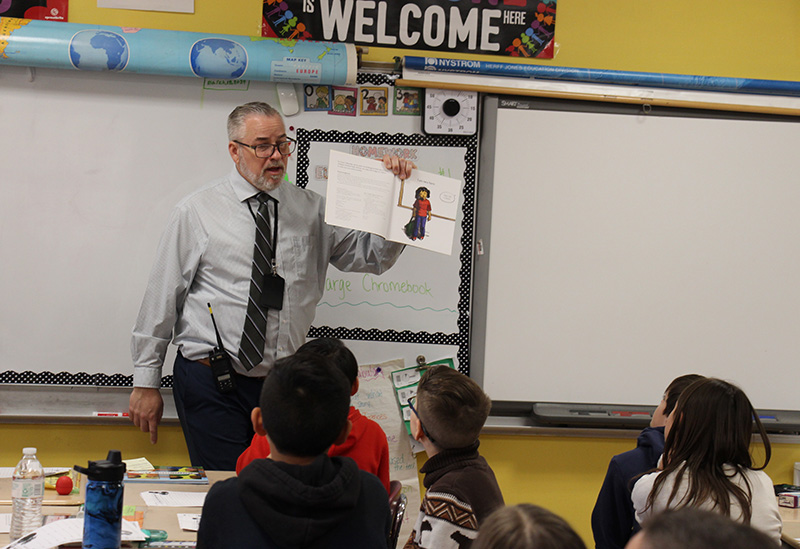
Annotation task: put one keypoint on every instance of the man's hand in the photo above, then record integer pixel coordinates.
(398, 166)
(145, 409)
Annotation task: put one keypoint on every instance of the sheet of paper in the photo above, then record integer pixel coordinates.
(71, 531)
(359, 194)
(420, 211)
(5, 523)
(189, 521)
(163, 498)
(375, 399)
(138, 464)
(180, 6)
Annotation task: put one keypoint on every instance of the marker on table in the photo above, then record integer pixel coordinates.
(110, 414)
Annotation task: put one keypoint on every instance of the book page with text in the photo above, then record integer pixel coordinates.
(359, 194)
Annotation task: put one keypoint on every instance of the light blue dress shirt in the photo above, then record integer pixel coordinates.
(205, 256)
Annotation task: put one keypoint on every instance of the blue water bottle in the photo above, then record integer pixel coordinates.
(102, 513)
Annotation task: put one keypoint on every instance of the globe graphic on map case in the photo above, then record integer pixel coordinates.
(98, 50)
(218, 58)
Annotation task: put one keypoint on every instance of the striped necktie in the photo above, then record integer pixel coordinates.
(251, 348)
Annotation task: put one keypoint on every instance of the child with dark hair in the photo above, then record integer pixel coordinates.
(366, 443)
(613, 520)
(707, 462)
(690, 528)
(299, 497)
(526, 526)
(448, 414)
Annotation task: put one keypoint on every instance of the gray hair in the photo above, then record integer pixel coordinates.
(237, 117)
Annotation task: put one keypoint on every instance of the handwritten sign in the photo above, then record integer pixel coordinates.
(375, 399)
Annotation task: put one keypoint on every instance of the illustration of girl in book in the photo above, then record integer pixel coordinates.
(421, 214)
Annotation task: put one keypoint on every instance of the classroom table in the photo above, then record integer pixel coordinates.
(155, 518)
(791, 526)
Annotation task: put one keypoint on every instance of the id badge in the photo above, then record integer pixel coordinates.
(272, 292)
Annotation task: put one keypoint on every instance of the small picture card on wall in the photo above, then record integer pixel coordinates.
(317, 98)
(374, 101)
(406, 101)
(344, 101)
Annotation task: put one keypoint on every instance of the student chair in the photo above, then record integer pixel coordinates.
(397, 508)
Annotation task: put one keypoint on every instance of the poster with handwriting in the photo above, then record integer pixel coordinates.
(375, 399)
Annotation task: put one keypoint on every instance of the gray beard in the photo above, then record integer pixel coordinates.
(260, 182)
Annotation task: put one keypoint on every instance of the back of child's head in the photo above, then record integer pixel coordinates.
(526, 526)
(676, 387)
(692, 528)
(334, 349)
(712, 425)
(304, 404)
(709, 430)
(452, 407)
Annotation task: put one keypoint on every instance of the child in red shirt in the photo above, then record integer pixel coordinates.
(366, 443)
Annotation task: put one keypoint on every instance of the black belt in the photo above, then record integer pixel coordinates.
(207, 363)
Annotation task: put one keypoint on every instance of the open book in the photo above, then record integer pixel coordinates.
(420, 211)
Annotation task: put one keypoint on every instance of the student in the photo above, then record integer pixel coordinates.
(526, 526)
(461, 490)
(613, 521)
(366, 442)
(707, 462)
(690, 528)
(300, 496)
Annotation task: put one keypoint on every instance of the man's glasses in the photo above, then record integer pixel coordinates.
(265, 150)
(411, 402)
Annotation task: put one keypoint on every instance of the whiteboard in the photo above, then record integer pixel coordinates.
(622, 247)
(91, 165)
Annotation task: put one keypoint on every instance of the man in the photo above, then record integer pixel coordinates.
(207, 255)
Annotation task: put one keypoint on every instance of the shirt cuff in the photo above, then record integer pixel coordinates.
(146, 376)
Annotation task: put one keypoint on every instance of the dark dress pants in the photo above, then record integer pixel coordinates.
(216, 426)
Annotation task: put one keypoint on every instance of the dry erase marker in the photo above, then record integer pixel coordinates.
(110, 414)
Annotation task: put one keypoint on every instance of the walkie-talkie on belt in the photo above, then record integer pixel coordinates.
(220, 362)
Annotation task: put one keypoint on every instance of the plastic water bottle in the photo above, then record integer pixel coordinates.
(102, 517)
(27, 491)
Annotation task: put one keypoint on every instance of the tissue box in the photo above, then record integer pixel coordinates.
(789, 499)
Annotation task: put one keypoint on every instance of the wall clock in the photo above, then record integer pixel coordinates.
(450, 112)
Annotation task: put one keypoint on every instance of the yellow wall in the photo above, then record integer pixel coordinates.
(731, 38)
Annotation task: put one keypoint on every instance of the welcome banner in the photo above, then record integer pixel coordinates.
(515, 28)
